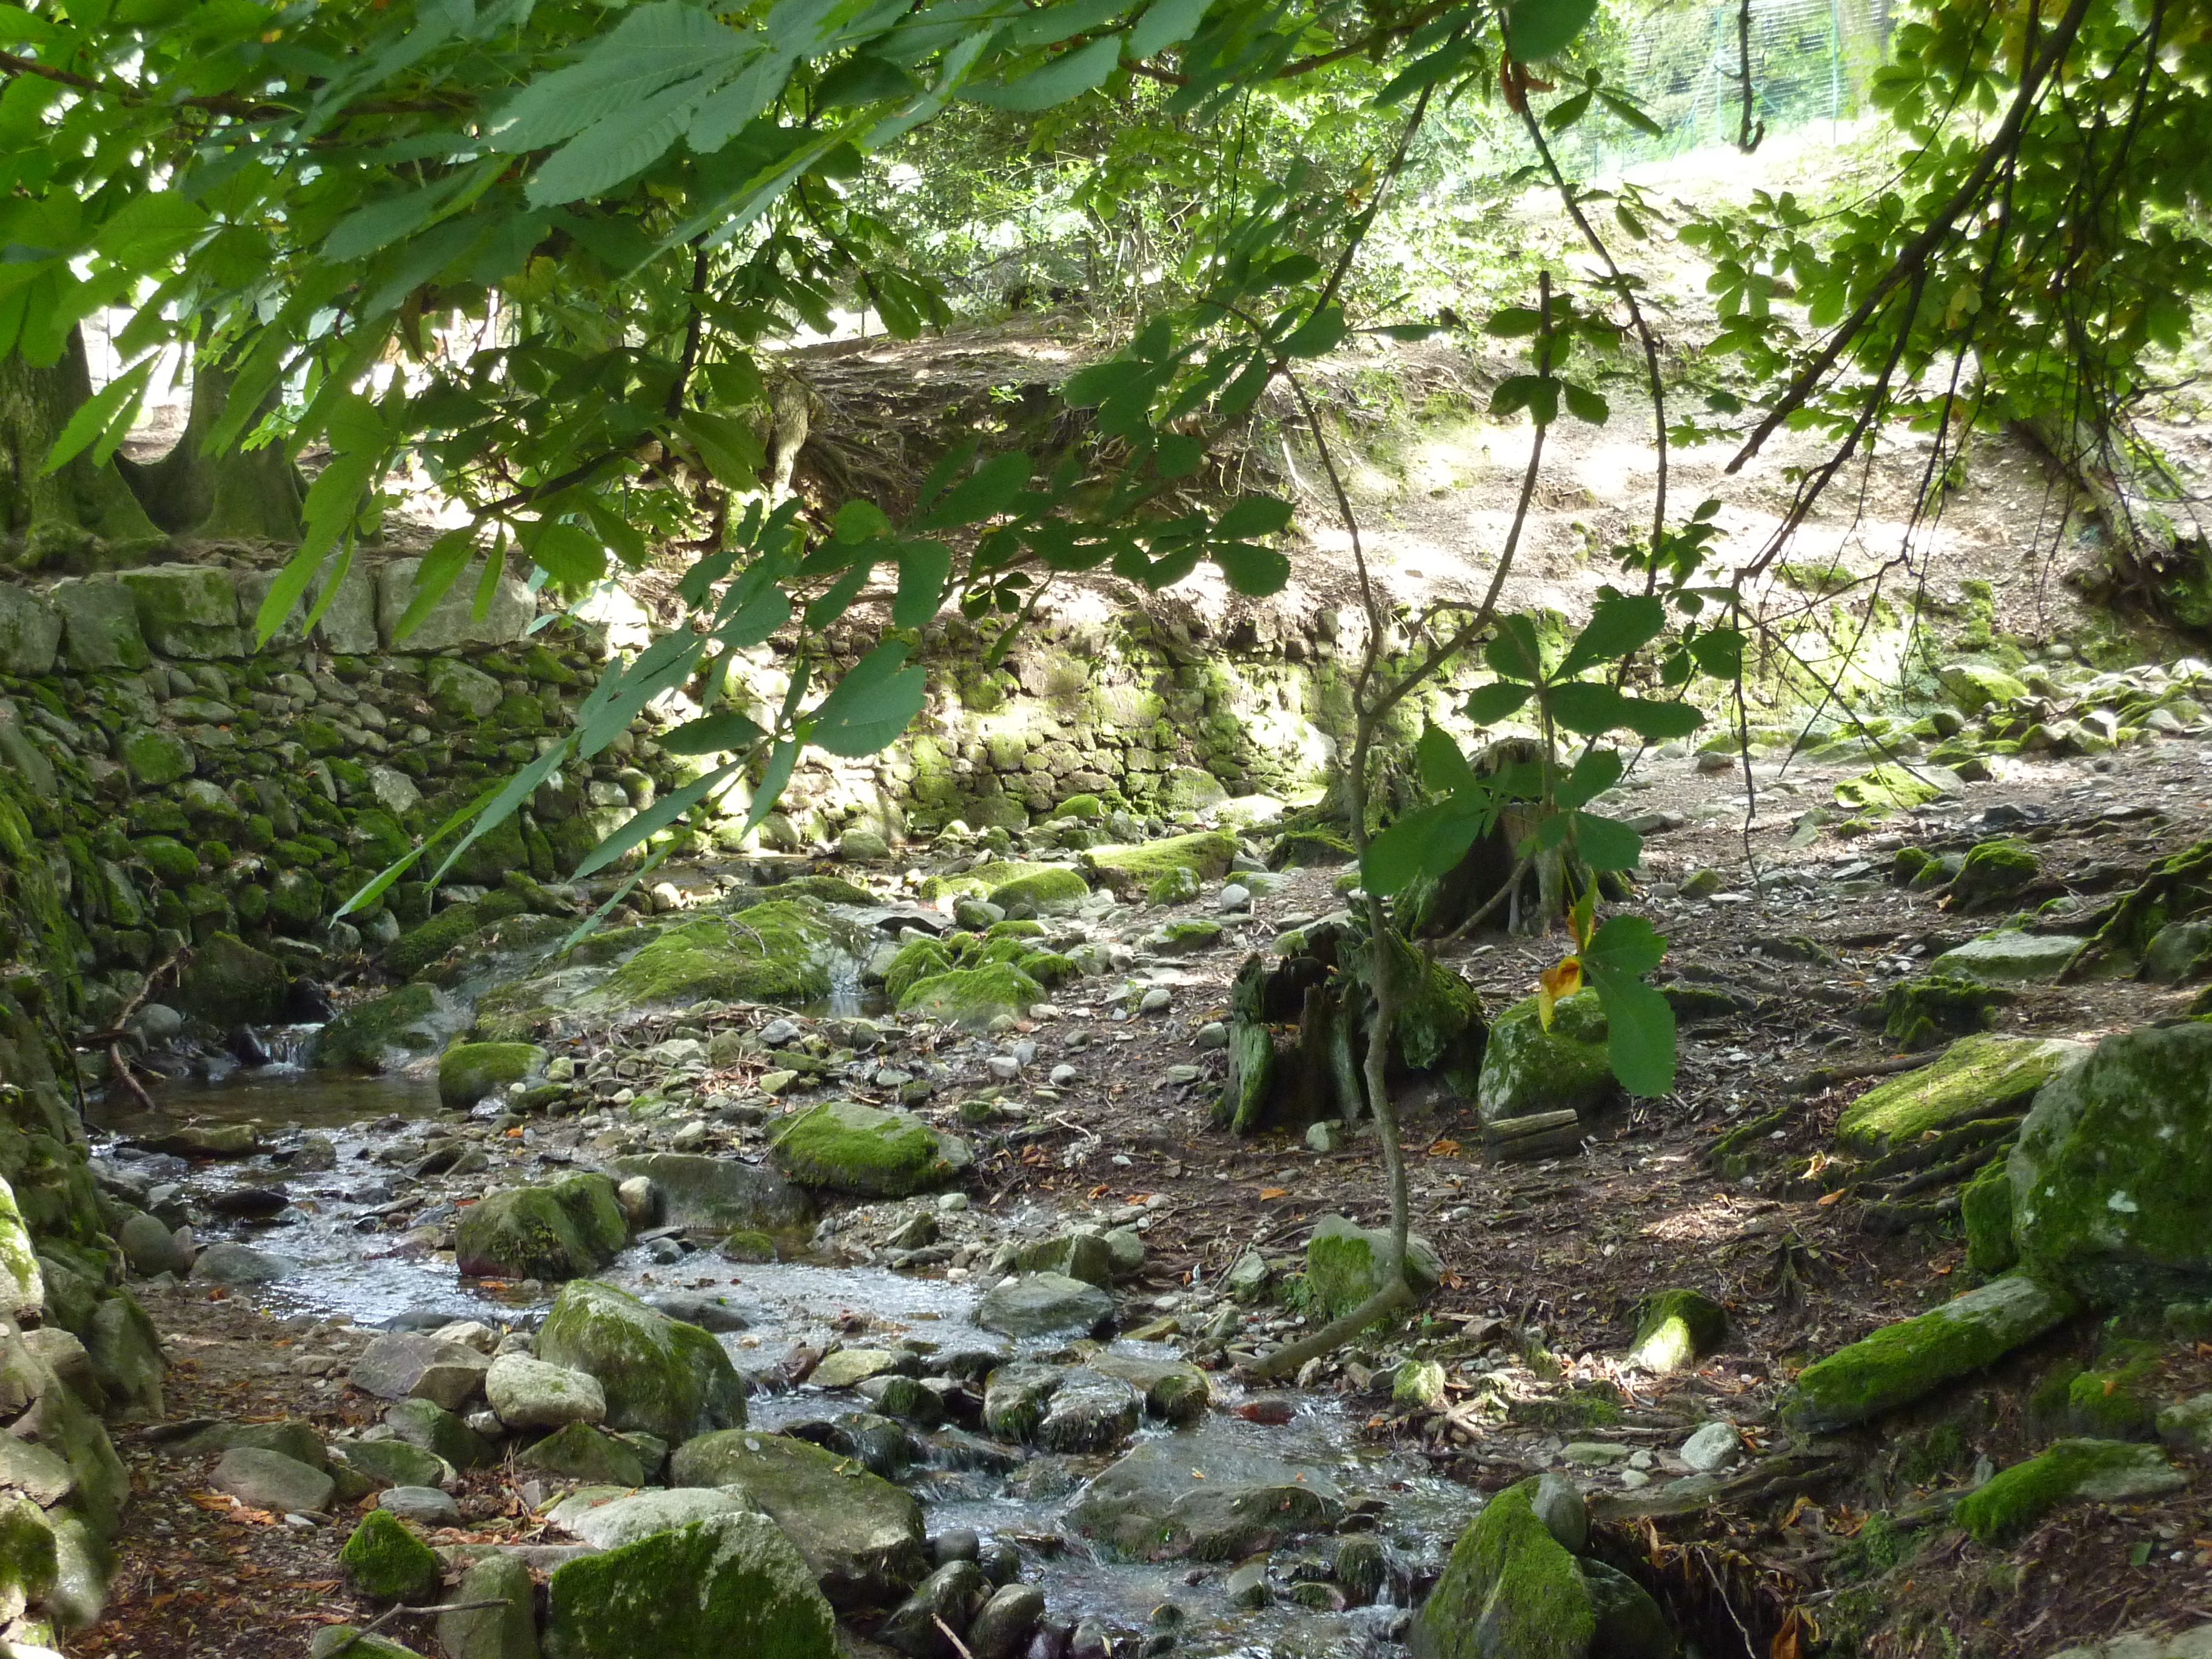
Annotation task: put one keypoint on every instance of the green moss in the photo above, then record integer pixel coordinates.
(1900, 1362)
(1985, 1208)
(1128, 870)
(172, 863)
(1676, 1329)
(1994, 871)
(1056, 888)
(2008, 1506)
(417, 948)
(1927, 1458)
(1088, 808)
(1527, 1069)
(2116, 1400)
(660, 1376)
(973, 996)
(1886, 789)
(918, 959)
(824, 890)
(1921, 1013)
(749, 1245)
(522, 1232)
(779, 951)
(1313, 848)
(733, 1586)
(1196, 934)
(847, 1147)
(387, 1562)
(1509, 1588)
(1047, 968)
(364, 1034)
(581, 1452)
(981, 882)
(1014, 930)
(1977, 1077)
(470, 1071)
(1344, 1264)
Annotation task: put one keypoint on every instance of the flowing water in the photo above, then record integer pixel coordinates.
(345, 1261)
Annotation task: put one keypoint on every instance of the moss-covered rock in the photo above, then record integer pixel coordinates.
(860, 1536)
(564, 1231)
(779, 952)
(1890, 787)
(187, 610)
(1986, 1211)
(1129, 871)
(1526, 1070)
(1675, 1329)
(1344, 1264)
(1978, 1076)
(2009, 957)
(1050, 891)
(1926, 1011)
(157, 758)
(374, 1034)
(660, 1375)
(1511, 1590)
(733, 1585)
(973, 996)
(823, 890)
(387, 1563)
(1311, 849)
(2111, 1177)
(174, 864)
(916, 960)
(470, 1071)
(582, 1452)
(229, 982)
(2008, 1506)
(1993, 873)
(983, 881)
(1087, 809)
(1900, 1362)
(844, 1146)
(1976, 686)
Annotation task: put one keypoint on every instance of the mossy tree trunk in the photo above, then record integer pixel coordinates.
(236, 494)
(60, 519)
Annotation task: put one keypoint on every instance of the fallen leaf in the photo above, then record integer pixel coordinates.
(1445, 1149)
(1269, 1193)
(1827, 1198)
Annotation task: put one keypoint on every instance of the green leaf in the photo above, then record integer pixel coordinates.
(568, 553)
(838, 597)
(1049, 25)
(1166, 23)
(1445, 770)
(1719, 652)
(1253, 515)
(924, 568)
(984, 494)
(1536, 29)
(1639, 1030)
(653, 45)
(1607, 843)
(770, 790)
(1513, 323)
(1661, 722)
(625, 688)
(1318, 336)
(1514, 654)
(1066, 76)
(1628, 111)
(861, 520)
(1585, 405)
(440, 568)
(501, 805)
(1537, 393)
(722, 733)
(1177, 456)
(105, 417)
(1568, 110)
(1253, 571)
(1488, 704)
(1619, 625)
(877, 700)
(731, 449)
(642, 827)
(864, 79)
(1626, 945)
(1597, 771)
(1423, 843)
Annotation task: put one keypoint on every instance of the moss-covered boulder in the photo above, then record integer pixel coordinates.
(1344, 1264)
(973, 996)
(1891, 787)
(660, 1375)
(916, 960)
(387, 1030)
(779, 951)
(1986, 1211)
(2111, 1178)
(1050, 891)
(1675, 1329)
(468, 1071)
(733, 1586)
(157, 758)
(1930, 1009)
(1901, 1362)
(844, 1146)
(1975, 686)
(1993, 873)
(860, 1536)
(387, 1563)
(1131, 871)
(1527, 1071)
(1513, 1590)
(1977, 1077)
(495, 1613)
(187, 609)
(567, 1230)
(229, 982)
(2008, 1506)
(582, 1452)
(983, 881)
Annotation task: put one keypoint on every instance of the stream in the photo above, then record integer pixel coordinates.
(327, 1132)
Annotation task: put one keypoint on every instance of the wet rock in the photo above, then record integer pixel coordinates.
(1043, 1304)
(721, 1192)
(528, 1394)
(229, 982)
(1247, 1588)
(507, 1629)
(929, 1622)
(226, 1263)
(849, 1367)
(1083, 1256)
(564, 1231)
(270, 1480)
(1174, 1391)
(1003, 1627)
(732, 1585)
(383, 1031)
(1162, 1501)
(659, 1375)
(860, 1536)
(708, 1313)
(2111, 1177)
(469, 1072)
(844, 1146)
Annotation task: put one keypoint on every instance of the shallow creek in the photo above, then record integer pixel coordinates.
(345, 1265)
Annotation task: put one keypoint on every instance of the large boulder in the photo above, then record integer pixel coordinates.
(469, 1072)
(861, 1536)
(100, 624)
(528, 1394)
(733, 1586)
(388, 1030)
(1045, 1305)
(721, 1192)
(1997, 958)
(1513, 1589)
(30, 633)
(566, 1231)
(1977, 1077)
(1131, 871)
(2111, 1177)
(844, 1146)
(229, 982)
(608, 1523)
(782, 950)
(496, 1613)
(659, 1375)
(1344, 1264)
(1527, 1071)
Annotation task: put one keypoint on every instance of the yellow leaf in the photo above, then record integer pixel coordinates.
(1555, 984)
(1273, 1191)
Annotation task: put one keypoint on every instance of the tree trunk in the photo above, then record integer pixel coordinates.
(240, 495)
(81, 516)
(2162, 563)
